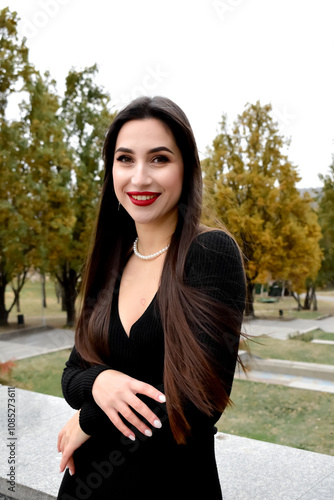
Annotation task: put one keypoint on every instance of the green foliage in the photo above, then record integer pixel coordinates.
(86, 117)
(51, 171)
(326, 219)
(15, 212)
(48, 162)
(15, 69)
(304, 337)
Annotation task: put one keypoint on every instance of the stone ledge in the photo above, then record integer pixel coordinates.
(248, 469)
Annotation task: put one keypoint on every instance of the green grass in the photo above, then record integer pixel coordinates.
(281, 415)
(324, 335)
(293, 350)
(289, 307)
(31, 306)
(39, 373)
(31, 299)
(315, 334)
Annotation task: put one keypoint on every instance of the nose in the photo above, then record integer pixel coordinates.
(141, 175)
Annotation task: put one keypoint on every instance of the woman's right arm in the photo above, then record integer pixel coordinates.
(105, 395)
(78, 379)
(77, 382)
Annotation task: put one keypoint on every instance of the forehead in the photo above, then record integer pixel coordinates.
(145, 132)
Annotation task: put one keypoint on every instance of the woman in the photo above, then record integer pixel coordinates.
(157, 339)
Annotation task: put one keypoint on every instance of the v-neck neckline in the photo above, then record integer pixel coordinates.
(129, 336)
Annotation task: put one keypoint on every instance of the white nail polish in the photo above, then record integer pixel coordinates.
(132, 437)
(71, 473)
(157, 424)
(162, 398)
(148, 433)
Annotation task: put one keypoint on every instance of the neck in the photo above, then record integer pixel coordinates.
(153, 237)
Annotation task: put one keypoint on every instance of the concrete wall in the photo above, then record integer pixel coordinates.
(248, 469)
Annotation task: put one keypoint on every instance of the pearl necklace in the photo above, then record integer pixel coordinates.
(147, 257)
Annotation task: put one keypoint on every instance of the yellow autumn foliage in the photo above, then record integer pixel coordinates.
(250, 187)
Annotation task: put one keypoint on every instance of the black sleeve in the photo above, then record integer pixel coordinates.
(77, 383)
(214, 266)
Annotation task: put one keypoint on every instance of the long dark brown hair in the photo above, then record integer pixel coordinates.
(191, 373)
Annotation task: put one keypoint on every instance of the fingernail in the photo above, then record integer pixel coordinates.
(148, 432)
(132, 437)
(71, 473)
(157, 424)
(162, 398)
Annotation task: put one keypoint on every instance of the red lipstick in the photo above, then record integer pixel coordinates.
(143, 203)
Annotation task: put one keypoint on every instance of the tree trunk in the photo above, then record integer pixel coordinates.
(68, 280)
(297, 299)
(283, 290)
(43, 291)
(17, 294)
(314, 299)
(58, 291)
(249, 309)
(3, 311)
(307, 301)
(18, 305)
(62, 295)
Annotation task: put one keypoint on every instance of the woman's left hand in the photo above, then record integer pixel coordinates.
(70, 438)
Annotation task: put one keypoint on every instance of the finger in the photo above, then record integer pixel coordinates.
(119, 424)
(71, 466)
(132, 418)
(61, 443)
(67, 453)
(148, 390)
(141, 408)
(63, 463)
(60, 435)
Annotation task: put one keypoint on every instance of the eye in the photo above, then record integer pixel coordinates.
(124, 159)
(160, 159)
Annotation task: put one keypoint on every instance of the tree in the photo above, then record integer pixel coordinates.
(326, 219)
(86, 117)
(51, 172)
(49, 163)
(250, 186)
(15, 217)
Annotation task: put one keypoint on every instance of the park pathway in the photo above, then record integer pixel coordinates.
(21, 344)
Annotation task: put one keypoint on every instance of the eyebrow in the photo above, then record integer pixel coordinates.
(153, 150)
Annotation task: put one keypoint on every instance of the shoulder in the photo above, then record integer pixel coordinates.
(214, 264)
(214, 246)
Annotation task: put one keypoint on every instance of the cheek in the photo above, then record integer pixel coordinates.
(118, 180)
(174, 182)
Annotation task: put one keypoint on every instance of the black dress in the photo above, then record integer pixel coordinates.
(111, 466)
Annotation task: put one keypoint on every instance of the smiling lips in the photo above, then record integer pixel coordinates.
(143, 198)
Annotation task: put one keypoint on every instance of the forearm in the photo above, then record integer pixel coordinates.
(77, 381)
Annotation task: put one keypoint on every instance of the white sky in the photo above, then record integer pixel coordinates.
(210, 56)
